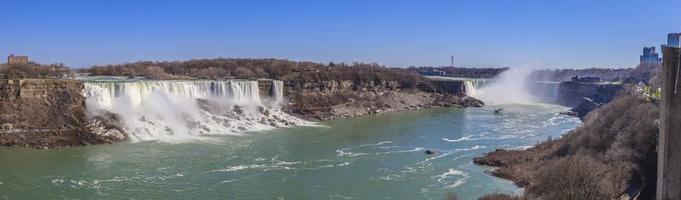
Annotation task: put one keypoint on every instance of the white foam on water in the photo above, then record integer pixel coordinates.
(343, 164)
(229, 181)
(524, 147)
(344, 152)
(275, 165)
(469, 137)
(476, 147)
(379, 148)
(445, 178)
(377, 144)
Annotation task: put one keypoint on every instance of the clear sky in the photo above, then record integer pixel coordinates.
(545, 33)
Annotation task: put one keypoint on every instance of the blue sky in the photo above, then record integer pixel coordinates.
(543, 33)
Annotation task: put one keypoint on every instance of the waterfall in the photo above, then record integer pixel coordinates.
(177, 110)
(277, 92)
(509, 87)
(470, 88)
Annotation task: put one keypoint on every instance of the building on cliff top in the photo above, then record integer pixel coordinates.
(650, 56)
(587, 79)
(17, 60)
(673, 40)
(433, 72)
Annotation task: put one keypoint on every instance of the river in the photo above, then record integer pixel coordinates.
(371, 157)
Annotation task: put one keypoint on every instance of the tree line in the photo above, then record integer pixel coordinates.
(242, 68)
(460, 71)
(34, 70)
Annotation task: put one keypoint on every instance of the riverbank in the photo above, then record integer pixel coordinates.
(369, 103)
(613, 154)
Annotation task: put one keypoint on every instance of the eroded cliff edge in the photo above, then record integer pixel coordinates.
(314, 98)
(49, 113)
(583, 98)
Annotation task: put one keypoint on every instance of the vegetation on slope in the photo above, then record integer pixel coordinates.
(222, 68)
(34, 70)
(612, 153)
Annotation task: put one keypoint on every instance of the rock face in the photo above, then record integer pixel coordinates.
(48, 113)
(347, 98)
(585, 106)
(585, 97)
(41, 103)
(452, 87)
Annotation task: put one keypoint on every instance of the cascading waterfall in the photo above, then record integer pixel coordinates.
(278, 93)
(472, 86)
(509, 87)
(177, 110)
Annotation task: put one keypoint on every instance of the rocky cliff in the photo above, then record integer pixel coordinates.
(329, 99)
(585, 97)
(47, 113)
(41, 103)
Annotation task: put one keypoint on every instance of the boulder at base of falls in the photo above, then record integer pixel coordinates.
(101, 131)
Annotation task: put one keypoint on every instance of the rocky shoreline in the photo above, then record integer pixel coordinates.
(383, 102)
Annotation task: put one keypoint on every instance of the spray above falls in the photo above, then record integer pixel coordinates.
(510, 87)
(178, 110)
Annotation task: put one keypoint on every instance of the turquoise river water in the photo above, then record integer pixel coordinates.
(372, 157)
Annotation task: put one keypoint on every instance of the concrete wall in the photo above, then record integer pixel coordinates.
(669, 149)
